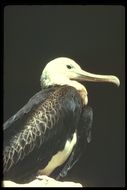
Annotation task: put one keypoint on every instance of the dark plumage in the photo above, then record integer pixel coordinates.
(51, 131)
(50, 120)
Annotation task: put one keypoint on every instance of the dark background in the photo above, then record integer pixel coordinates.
(94, 36)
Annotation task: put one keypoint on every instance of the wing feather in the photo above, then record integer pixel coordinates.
(35, 100)
(47, 126)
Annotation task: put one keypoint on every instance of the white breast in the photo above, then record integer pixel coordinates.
(60, 157)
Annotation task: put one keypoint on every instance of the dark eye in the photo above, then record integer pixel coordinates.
(69, 66)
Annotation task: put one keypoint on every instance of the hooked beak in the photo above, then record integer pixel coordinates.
(86, 76)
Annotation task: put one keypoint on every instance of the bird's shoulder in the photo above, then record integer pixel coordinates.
(66, 95)
(52, 118)
(28, 107)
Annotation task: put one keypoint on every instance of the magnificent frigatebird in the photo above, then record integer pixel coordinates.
(50, 132)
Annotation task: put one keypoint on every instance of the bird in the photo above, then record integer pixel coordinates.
(51, 131)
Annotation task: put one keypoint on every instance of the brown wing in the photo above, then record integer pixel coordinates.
(43, 134)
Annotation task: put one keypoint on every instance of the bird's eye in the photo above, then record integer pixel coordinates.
(69, 66)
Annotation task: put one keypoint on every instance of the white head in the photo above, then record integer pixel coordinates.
(59, 71)
(62, 70)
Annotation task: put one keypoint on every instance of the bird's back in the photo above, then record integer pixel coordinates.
(44, 132)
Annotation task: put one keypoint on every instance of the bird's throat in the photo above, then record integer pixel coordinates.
(81, 89)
